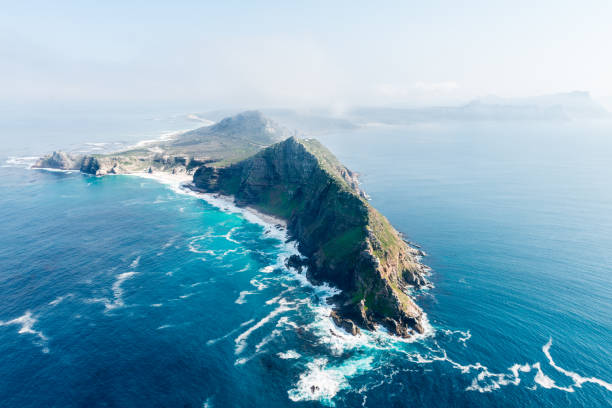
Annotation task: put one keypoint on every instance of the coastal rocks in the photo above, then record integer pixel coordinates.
(100, 165)
(84, 163)
(58, 160)
(296, 262)
(347, 242)
(91, 165)
(347, 324)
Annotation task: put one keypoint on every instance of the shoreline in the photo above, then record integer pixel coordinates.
(226, 203)
(277, 228)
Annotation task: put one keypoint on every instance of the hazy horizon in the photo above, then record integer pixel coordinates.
(298, 56)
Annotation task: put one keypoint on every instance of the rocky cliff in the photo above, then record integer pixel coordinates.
(347, 242)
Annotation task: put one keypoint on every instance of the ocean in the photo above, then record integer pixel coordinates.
(125, 291)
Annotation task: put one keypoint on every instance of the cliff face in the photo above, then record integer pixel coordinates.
(348, 243)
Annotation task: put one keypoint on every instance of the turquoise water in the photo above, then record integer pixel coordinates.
(123, 291)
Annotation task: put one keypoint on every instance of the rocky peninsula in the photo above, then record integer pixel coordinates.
(344, 240)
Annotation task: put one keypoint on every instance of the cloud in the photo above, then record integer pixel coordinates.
(446, 86)
(404, 91)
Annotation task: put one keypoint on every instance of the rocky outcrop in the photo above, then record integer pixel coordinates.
(347, 242)
(91, 165)
(58, 160)
(120, 163)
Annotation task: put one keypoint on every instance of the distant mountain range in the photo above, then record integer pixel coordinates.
(565, 106)
(557, 107)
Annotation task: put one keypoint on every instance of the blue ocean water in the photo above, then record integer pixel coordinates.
(124, 291)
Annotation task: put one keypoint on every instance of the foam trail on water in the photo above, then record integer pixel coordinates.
(135, 262)
(117, 300)
(242, 298)
(577, 378)
(60, 299)
(487, 381)
(267, 339)
(258, 284)
(241, 340)
(289, 355)
(26, 323)
(213, 341)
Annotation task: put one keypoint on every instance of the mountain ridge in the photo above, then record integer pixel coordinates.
(347, 242)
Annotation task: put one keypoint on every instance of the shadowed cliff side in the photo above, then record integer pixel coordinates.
(347, 242)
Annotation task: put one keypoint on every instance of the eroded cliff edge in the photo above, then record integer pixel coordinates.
(346, 241)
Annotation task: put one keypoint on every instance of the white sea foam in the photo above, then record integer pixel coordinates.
(169, 243)
(208, 403)
(273, 334)
(21, 162)
(577, 378)
(289, 355)
(487, 381)
(135, 262)
(267, 269)
(213, 341)
(60, 299)
(241, 340)
(26, 324)
(462, 336)
(52, 170)
(258, 284)
(277, 298)
(228, 236)
(246, 268)
(164, 137)
(242, 298)
(321, 382)
(117, 300)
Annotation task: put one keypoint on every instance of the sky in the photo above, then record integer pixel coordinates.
(331, 54)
